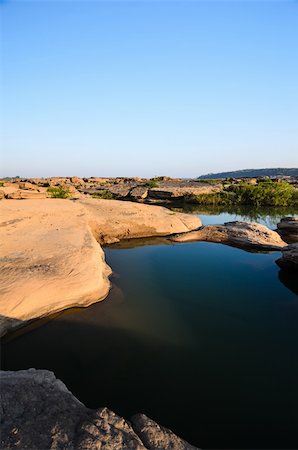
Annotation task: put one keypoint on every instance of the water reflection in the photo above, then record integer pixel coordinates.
(268, 216)
(289, 279)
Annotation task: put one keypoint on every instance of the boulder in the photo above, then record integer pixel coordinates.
(288, 229)
(121, 190)
(180, 190)
(77, 181)
(39, 412)
(289, 259)
(238, 233)
(27, 186)
(139, 192)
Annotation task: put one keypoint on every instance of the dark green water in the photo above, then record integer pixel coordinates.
(201, 337)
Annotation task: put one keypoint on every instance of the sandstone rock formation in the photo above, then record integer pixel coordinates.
(139, 192)
(50, 258)
(113, 220)
(170, 191)
(20, 194)
(238, 233)
(22, 191)
(38, 412)
(138, 189)
(288, 229)
(289, 259)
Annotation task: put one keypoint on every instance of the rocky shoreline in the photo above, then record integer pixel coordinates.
(36, 400)
(51, 255)
(51, 259)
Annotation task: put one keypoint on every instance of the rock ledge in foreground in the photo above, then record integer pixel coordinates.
(39, 412)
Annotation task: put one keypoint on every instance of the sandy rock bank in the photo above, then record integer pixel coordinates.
(39, 412)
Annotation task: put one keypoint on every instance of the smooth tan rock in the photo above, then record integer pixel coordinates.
(50, 260)
(9, 189)
(28, 186)
(21, 194)
(49, 255)
(114, 220)
(240, 234)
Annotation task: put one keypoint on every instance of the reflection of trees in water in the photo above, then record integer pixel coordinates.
(270, 215)
(289, 279)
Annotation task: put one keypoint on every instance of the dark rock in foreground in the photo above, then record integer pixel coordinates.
(289, 259)
(39, 412)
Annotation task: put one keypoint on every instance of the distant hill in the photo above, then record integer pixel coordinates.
(251, 173)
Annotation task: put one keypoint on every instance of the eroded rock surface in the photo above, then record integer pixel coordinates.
(50, 257)
(238, 233)
(157, 437)
(38, 412)
(289, 259)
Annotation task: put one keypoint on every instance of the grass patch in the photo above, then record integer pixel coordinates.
(208, 181)
(58, 192)
(103, 194)
(151, 184)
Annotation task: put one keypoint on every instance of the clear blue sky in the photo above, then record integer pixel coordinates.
(148, 88)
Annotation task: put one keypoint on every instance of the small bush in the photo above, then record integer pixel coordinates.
(103, 194)
(265, 193)
(151, 184)
(1, 184)
(218, 198)
(58, 192)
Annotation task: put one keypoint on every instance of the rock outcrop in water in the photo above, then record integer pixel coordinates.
(240, 234)
(289, 259)
(50, 253)
(288, 229)
(39, 412)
